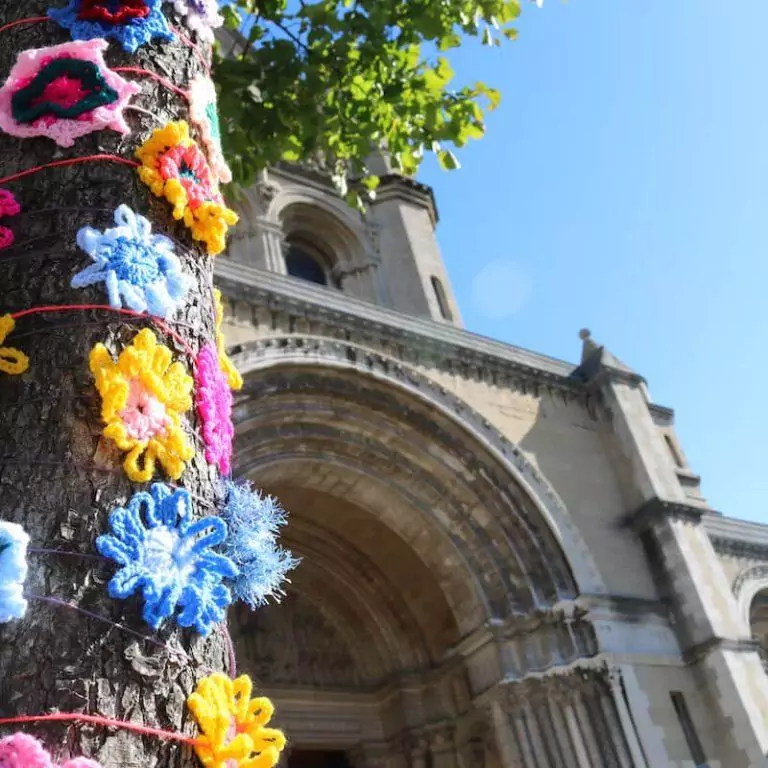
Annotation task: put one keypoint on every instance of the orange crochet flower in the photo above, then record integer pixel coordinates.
(174, 167)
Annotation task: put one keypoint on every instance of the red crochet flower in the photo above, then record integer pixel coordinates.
(113, 11)
(190, 167)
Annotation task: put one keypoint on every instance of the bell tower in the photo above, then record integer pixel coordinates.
(293, 223)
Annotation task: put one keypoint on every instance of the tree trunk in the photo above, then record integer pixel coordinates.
(59, 478)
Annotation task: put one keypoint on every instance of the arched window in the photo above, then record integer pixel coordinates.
(303, 263)
(442, 299)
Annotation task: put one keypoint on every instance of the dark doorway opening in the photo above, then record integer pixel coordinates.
(306, 758)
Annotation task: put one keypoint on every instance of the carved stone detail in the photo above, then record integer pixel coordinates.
(293, 644)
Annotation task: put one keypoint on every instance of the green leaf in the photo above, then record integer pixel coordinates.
(448, 161)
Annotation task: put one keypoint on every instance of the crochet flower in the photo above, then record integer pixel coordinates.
(214, 404)
(133, 264)
(64, 92)
(173, 167)
(143, 397)
(12, 361)
(254, 522)
(23, 751)
(13, 571)
(227, 366)
(9, 206)
(204, 113)
(166, 555)
(201, 16)
(233, 726)
(131, 22)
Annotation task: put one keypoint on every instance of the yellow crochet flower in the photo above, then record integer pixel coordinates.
(143, 396)
(233, 725)
(174, 167)
(12, 361)
(234, 379)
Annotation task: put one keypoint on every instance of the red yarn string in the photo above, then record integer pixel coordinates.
(184, 39)
(160, 79)
(106, 308)
(69, 161)
(30, 20)
(107, 722)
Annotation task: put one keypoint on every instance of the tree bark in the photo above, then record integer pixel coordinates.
(58, 478)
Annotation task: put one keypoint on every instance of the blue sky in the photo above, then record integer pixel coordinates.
(623, 186)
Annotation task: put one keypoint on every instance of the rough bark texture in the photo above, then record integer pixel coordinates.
(57, 477)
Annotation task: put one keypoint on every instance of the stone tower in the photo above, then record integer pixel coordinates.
(507, 560)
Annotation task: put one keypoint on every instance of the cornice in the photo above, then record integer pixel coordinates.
(420, 336)
(653, 510)
(739, 538)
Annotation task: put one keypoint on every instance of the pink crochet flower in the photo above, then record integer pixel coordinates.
(64, 92)
(9, 206)
(7, 239)
(22, 751)
(214, 404)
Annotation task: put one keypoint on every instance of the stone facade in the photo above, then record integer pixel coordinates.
(506, 558)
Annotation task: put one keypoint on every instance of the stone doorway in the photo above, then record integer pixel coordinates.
(304, 758)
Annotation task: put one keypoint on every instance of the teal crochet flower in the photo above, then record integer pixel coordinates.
(134, 264)
(167, 556)
(254, 521)
(13, 571)
(131, 22)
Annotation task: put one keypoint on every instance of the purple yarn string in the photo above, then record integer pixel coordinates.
(208, 670)
(45, 551)
(64, 604)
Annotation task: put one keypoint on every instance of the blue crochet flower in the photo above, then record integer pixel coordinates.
(133, 264)
(254, 521)
(131, 22)
(13, 571)
(166, 555)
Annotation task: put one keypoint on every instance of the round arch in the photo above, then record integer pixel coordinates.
(749, 584)
(523, 481)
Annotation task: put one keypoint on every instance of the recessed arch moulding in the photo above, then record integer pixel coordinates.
(435, 556)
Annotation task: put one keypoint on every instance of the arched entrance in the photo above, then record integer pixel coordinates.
(434, 598)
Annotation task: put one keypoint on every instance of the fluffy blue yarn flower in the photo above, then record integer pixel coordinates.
(135, 265)
(135, 23)
(254, 522)
(13, 571)
(168, 559)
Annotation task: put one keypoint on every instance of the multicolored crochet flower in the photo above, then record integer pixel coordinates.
(23, 751)
(173, 167)
(12, 361)
(204, 113)
(134, 264)
(227, 366)
(64, 92)
(131, 22)
(143, 397)
(201, 16)
(214, 404)
(254, 523)
(233, 726)
(166, 555)
(13, 571)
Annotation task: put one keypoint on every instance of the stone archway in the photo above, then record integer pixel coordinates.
(436, 597)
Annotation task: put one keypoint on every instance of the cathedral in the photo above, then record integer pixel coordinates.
(506, 560)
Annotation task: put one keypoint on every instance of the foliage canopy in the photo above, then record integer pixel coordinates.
(332, 78)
